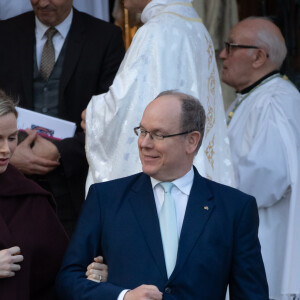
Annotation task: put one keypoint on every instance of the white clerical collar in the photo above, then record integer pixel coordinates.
(184, 183)
(63, 28)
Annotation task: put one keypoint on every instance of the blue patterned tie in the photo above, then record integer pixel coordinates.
(168, 228)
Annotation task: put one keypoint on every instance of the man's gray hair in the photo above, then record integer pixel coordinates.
(192, 113)
(7, 105)
(271, 43)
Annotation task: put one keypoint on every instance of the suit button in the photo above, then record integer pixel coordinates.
(168, 290)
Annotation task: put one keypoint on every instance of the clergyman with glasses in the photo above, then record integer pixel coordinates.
(264, 133)
(168, 232)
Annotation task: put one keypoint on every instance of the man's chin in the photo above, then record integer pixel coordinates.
(149, 170)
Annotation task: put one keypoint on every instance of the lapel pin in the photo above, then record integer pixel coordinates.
(206, 207)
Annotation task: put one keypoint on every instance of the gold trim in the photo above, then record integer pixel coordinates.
(211, 103)
(182, 17)
(209, 151)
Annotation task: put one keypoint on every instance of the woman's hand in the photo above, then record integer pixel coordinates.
(9, 259)
(97, 271)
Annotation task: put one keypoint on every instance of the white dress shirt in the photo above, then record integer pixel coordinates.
(58, 39)
(180, 192)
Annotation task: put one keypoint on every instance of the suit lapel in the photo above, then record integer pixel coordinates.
(199, 208)
(75, 41)
(143, 205)
(26, 47)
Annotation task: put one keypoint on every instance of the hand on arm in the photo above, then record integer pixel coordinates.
(97, 271)
(27, 159)
(9, 259)
(45, 149)
(144, 292)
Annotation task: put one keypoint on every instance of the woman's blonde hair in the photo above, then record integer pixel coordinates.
(7, 105)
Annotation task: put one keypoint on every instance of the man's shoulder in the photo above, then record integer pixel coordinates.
(227, 195)
(231, 201)
(276, 88)
(18, 20)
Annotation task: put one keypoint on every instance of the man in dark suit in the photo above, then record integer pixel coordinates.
(87, 53)
(204, 241)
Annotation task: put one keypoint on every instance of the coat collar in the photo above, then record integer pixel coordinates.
(75, 41)
(199, 208)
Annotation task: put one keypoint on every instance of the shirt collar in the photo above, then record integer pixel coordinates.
(252, 86)
(184, 183)
(63, 28)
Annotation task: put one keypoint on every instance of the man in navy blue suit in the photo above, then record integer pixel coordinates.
(188, 242)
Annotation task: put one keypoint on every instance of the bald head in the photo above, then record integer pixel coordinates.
(265, 34)
(256, 47)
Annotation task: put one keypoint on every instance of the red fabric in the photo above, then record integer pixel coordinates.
(28, 220)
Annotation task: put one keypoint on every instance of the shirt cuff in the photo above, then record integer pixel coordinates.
(122, 294)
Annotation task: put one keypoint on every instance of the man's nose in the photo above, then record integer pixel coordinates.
(223, 54)
(4, 149)
(147, 141)
(44, 3)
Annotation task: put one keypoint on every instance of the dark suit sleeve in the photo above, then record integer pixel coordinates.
(71, 282)
(72, 150)
(248, 278)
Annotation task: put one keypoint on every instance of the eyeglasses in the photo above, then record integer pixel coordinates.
(141, 132)
(231, 45)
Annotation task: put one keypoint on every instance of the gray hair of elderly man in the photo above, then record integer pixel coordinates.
(192, 113)
(7, 105)
(271, 42)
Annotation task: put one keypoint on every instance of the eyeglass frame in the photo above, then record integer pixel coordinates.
(159, 137)
(229, 45)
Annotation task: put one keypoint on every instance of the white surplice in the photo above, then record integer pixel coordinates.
(265, 144)
(172, 50)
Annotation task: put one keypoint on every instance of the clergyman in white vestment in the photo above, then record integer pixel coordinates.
(264, 132)
(172, 50)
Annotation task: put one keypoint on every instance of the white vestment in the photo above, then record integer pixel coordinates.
(265, 143)
(172, 50)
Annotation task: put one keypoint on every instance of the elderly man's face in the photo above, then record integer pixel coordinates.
(51, 12)
(166, 159)
(136, 5)
(237, 64)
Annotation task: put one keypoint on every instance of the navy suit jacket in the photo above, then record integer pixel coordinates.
(218, 244)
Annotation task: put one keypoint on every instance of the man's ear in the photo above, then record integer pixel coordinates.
(260, 57)
(193, 140)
